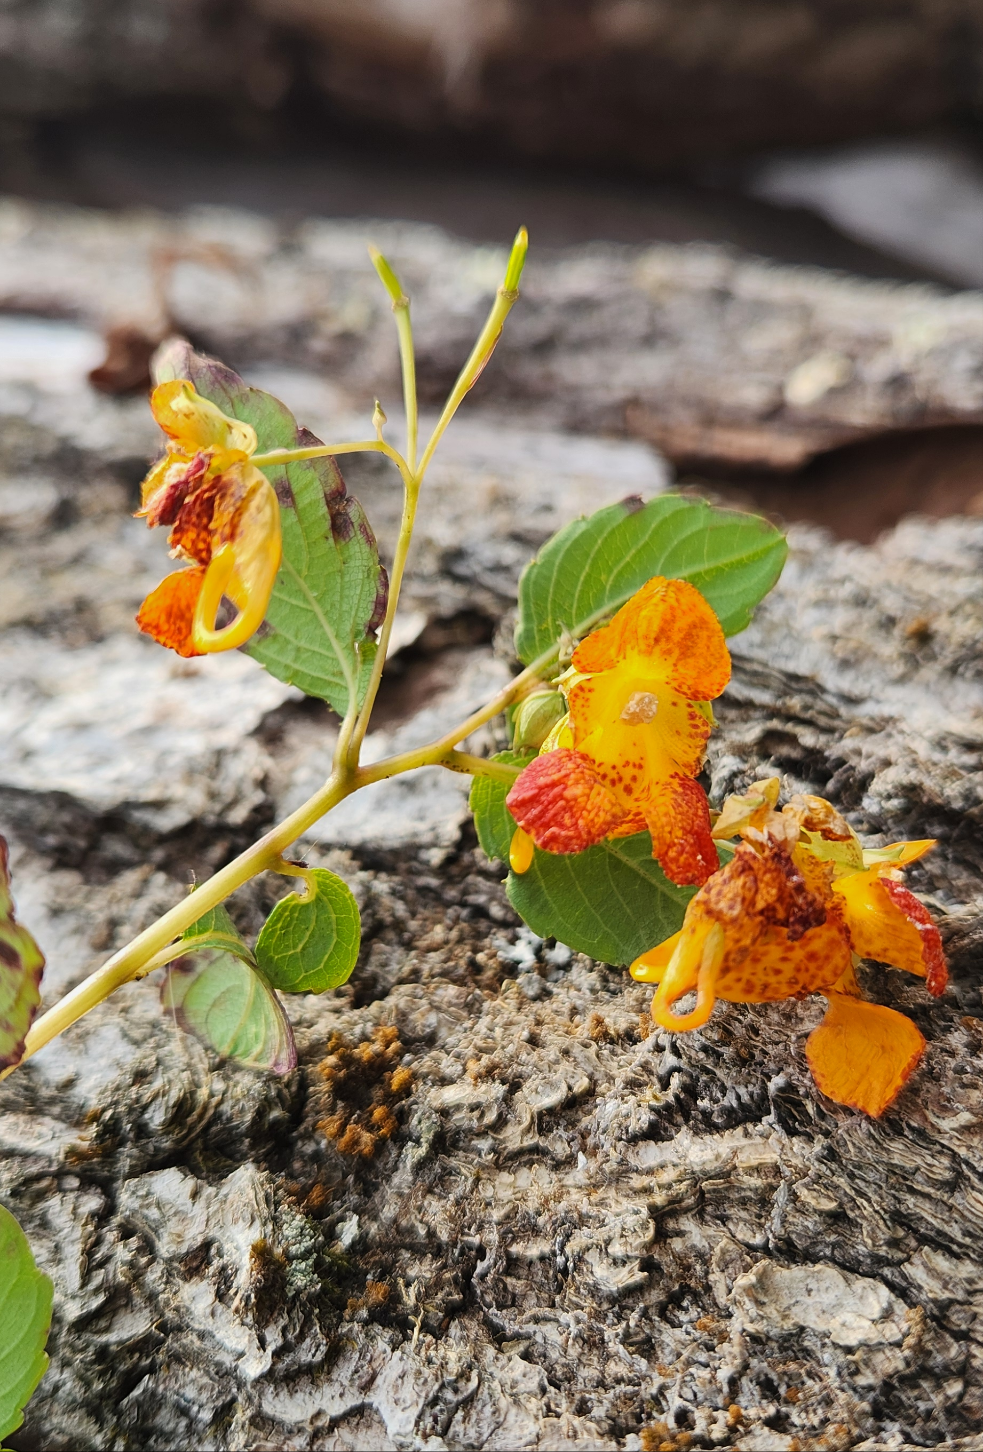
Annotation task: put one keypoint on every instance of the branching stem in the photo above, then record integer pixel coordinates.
(159, 944)
(155, 946)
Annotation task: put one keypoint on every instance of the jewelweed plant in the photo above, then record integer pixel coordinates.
(596, 807)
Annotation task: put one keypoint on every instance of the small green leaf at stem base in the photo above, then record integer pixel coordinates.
(310, 943)
(217, 930)
(21, 966)
(330, 594)
(592, 566)
(612, 902)
(226, 1005)
(25, 1316)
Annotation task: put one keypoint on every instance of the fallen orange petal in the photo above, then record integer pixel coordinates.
(863, 1054)
(168, 612)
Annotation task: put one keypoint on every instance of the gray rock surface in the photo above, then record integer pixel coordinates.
(582, 1233)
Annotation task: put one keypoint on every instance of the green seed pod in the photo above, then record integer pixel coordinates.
(535, 718)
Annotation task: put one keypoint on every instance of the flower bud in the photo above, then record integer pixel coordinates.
(535, 718)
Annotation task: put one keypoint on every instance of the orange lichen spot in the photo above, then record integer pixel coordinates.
(364, 1084)
(373, 1298)
(318, 1197)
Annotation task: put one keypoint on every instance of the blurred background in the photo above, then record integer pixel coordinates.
(844, 134)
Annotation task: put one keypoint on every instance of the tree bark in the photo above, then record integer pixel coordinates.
(639, 85)
(582, 1233)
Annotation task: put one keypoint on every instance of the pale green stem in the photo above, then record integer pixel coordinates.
(323, 451)
(413, 477)
(411, 495)
(316, 451)
(155, 946)
(407, 358)
(161, 959)
(437, 754)
(518, 687)
(408, 363)
(340, 767)
(128, 962)
(484, 347)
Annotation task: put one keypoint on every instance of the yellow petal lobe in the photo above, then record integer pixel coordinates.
(694, 964)
(244, 568)
(651, 966)
(194, 423)
(521, 851)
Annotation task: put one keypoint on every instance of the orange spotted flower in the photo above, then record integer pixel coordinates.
(224, 518)
(626, 756)
(798, 905)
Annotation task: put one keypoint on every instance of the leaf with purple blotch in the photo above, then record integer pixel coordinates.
(330, 594)
(21, 965)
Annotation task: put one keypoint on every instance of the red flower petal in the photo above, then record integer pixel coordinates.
(168, 612)
(936, 970)
(561, 801)
(679, 819)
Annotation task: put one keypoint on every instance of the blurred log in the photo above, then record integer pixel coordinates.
(716, 358)
(640, 84)
(582, 1234)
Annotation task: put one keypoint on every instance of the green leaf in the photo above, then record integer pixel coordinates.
(309, 944)
(21, 965)
(330, 594)
(225, 1004)
(588, 570)
(217, 930)
(493, 821)
(25, 1315)
(612, 902)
